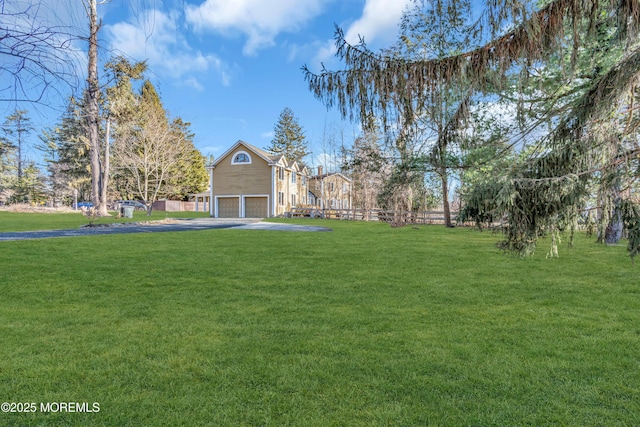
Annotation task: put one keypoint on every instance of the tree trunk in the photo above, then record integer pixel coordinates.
(613, 232)
(445, 198)
(20, 172)
(611, 225)
(104, 175)
(92, 112)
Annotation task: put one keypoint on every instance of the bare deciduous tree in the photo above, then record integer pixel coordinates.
(35, 56)
(368, 168)
(148, 154)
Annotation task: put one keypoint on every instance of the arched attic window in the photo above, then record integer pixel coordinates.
(241, 158)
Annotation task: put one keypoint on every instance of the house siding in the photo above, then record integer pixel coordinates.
(282, 186)
(242, 179)
(333, 189)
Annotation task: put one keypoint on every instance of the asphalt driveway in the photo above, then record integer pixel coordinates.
(190, 224)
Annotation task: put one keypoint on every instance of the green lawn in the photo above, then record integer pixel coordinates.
(363, 326)
(11, 221)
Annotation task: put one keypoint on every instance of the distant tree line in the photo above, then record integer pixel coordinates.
(115, 141)
(151, 156)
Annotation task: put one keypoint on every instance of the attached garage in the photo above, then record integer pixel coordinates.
(228, 207)
(256, 207)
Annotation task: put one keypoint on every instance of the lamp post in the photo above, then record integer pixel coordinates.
(210, 169)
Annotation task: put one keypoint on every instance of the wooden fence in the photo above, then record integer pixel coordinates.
(179, 206)
(392, 217)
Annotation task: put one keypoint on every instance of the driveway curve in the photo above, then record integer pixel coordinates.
(190, 224)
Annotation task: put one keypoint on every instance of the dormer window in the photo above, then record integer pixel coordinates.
(241, 158)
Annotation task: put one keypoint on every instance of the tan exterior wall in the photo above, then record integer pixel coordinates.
(283, 186)
(254, 178)
(281, 200)
(303, 190)
(288, 188)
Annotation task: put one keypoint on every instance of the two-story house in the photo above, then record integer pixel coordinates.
(330, 190)
(249, 182)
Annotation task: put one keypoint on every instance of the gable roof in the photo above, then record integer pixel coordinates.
(326, 175)
(264, 155)
(271, 159)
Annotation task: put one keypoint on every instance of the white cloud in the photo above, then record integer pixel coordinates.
(258, 20)
(156, 37)
(267, 135)
(226, 78)
(325, 55)
(378, 23)
(194, 83)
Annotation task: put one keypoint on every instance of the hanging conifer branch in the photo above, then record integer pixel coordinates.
(378, 83)
(544, 191)
(547, 191)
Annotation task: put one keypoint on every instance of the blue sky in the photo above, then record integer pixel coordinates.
(231, 66)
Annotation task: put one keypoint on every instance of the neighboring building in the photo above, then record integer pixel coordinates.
(330, 190)
(248, 182)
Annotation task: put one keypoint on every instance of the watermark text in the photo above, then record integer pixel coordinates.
(49, 407)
